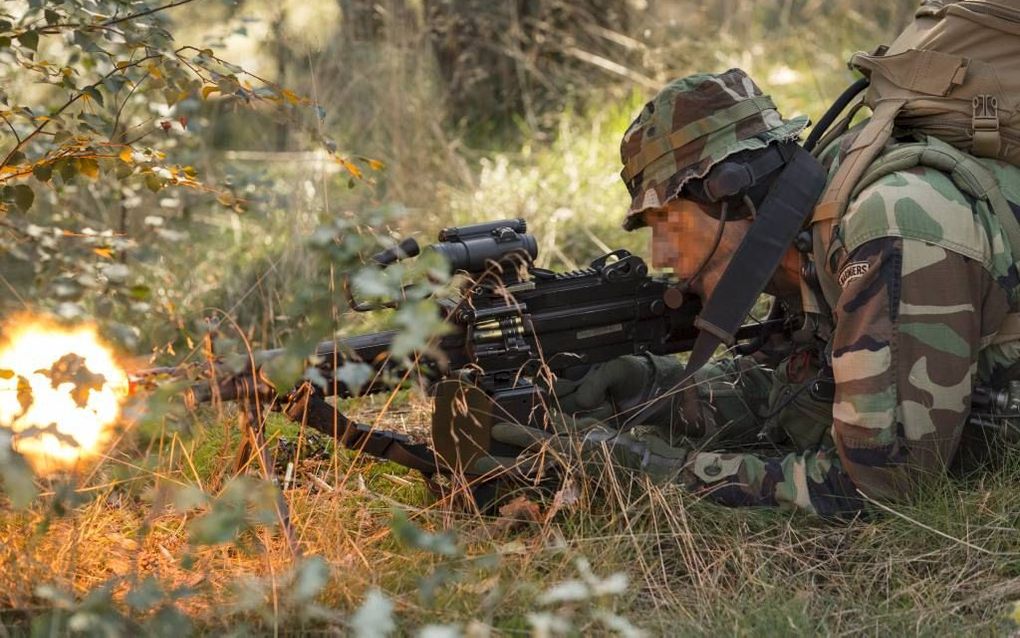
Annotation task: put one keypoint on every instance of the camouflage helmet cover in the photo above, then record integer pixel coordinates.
(688, 127)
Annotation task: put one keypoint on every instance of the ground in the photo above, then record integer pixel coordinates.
(611, 554)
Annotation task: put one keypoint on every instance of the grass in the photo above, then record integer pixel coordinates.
(948, 564)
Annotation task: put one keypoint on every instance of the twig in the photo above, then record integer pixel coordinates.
(222, 61)
(142, 14)
(11, 126)
(931, 529)
(323, 485)
(120, 109)
(106, 24)
(612, 67)
(74, 98)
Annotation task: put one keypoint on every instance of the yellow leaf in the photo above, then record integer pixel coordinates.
(127, 155)
(88, 167)
(104, 251)
(376, 165)
(1015, 616)
(291, 96)
(154, 71)
(209, 88)
(351, 167)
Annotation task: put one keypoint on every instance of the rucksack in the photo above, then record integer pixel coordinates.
(954, 75)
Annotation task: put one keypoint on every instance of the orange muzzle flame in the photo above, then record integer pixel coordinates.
(61, 391)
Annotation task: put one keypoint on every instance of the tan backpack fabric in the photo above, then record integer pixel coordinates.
(954, 73)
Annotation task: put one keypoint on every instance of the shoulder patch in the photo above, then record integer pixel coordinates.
(853, 270)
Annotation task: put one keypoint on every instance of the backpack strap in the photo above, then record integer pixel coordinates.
(865, 148)
(967, 174)
(867, 145)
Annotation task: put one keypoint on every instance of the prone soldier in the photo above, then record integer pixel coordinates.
(899, 249)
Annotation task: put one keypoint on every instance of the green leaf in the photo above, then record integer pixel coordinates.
(145, 595)
(309, 579)
(52, 17)
(29, 40)
(94, 93)
(354, 375)
(24, 197)
(418, 323)
(153, 183)
(188, 497)
(18, 480)
(374, 619)
(43, 172)
(68, 170)
(444, 544)
(283, 371)
(168, 621)
(140, 292)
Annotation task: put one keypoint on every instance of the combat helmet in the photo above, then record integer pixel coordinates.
(690, 126)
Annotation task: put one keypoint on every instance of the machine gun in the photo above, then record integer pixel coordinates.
(513, 327)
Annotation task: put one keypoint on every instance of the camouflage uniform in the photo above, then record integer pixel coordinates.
(925, 280)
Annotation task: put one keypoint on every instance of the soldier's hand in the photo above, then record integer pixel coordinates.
(620, 384)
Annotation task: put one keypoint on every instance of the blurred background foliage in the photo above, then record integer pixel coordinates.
(201, 173)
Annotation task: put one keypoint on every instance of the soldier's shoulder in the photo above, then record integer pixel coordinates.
(922, 203)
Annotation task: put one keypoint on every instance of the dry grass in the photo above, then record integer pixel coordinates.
(948, 564)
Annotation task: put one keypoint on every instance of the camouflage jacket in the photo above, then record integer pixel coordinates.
(926, 279)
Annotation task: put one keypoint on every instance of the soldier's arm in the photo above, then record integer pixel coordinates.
(910, 319)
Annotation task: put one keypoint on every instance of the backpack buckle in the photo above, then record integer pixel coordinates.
(985, 124)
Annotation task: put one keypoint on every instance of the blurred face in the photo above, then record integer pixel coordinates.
(682, 238)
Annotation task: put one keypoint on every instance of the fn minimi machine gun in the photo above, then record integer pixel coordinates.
(512, 328)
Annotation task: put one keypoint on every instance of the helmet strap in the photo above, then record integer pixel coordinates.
(685, 286)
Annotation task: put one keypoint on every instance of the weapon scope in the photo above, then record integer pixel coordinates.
(472, 248)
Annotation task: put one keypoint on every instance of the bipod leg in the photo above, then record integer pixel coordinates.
(254, 448)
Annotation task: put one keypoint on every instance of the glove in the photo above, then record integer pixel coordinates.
(622, 385)
(639, 449)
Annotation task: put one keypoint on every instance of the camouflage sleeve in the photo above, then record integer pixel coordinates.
(909, 322)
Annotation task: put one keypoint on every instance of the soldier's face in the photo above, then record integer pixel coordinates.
(682, 238)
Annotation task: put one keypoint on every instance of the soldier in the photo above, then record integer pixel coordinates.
(874, 396)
